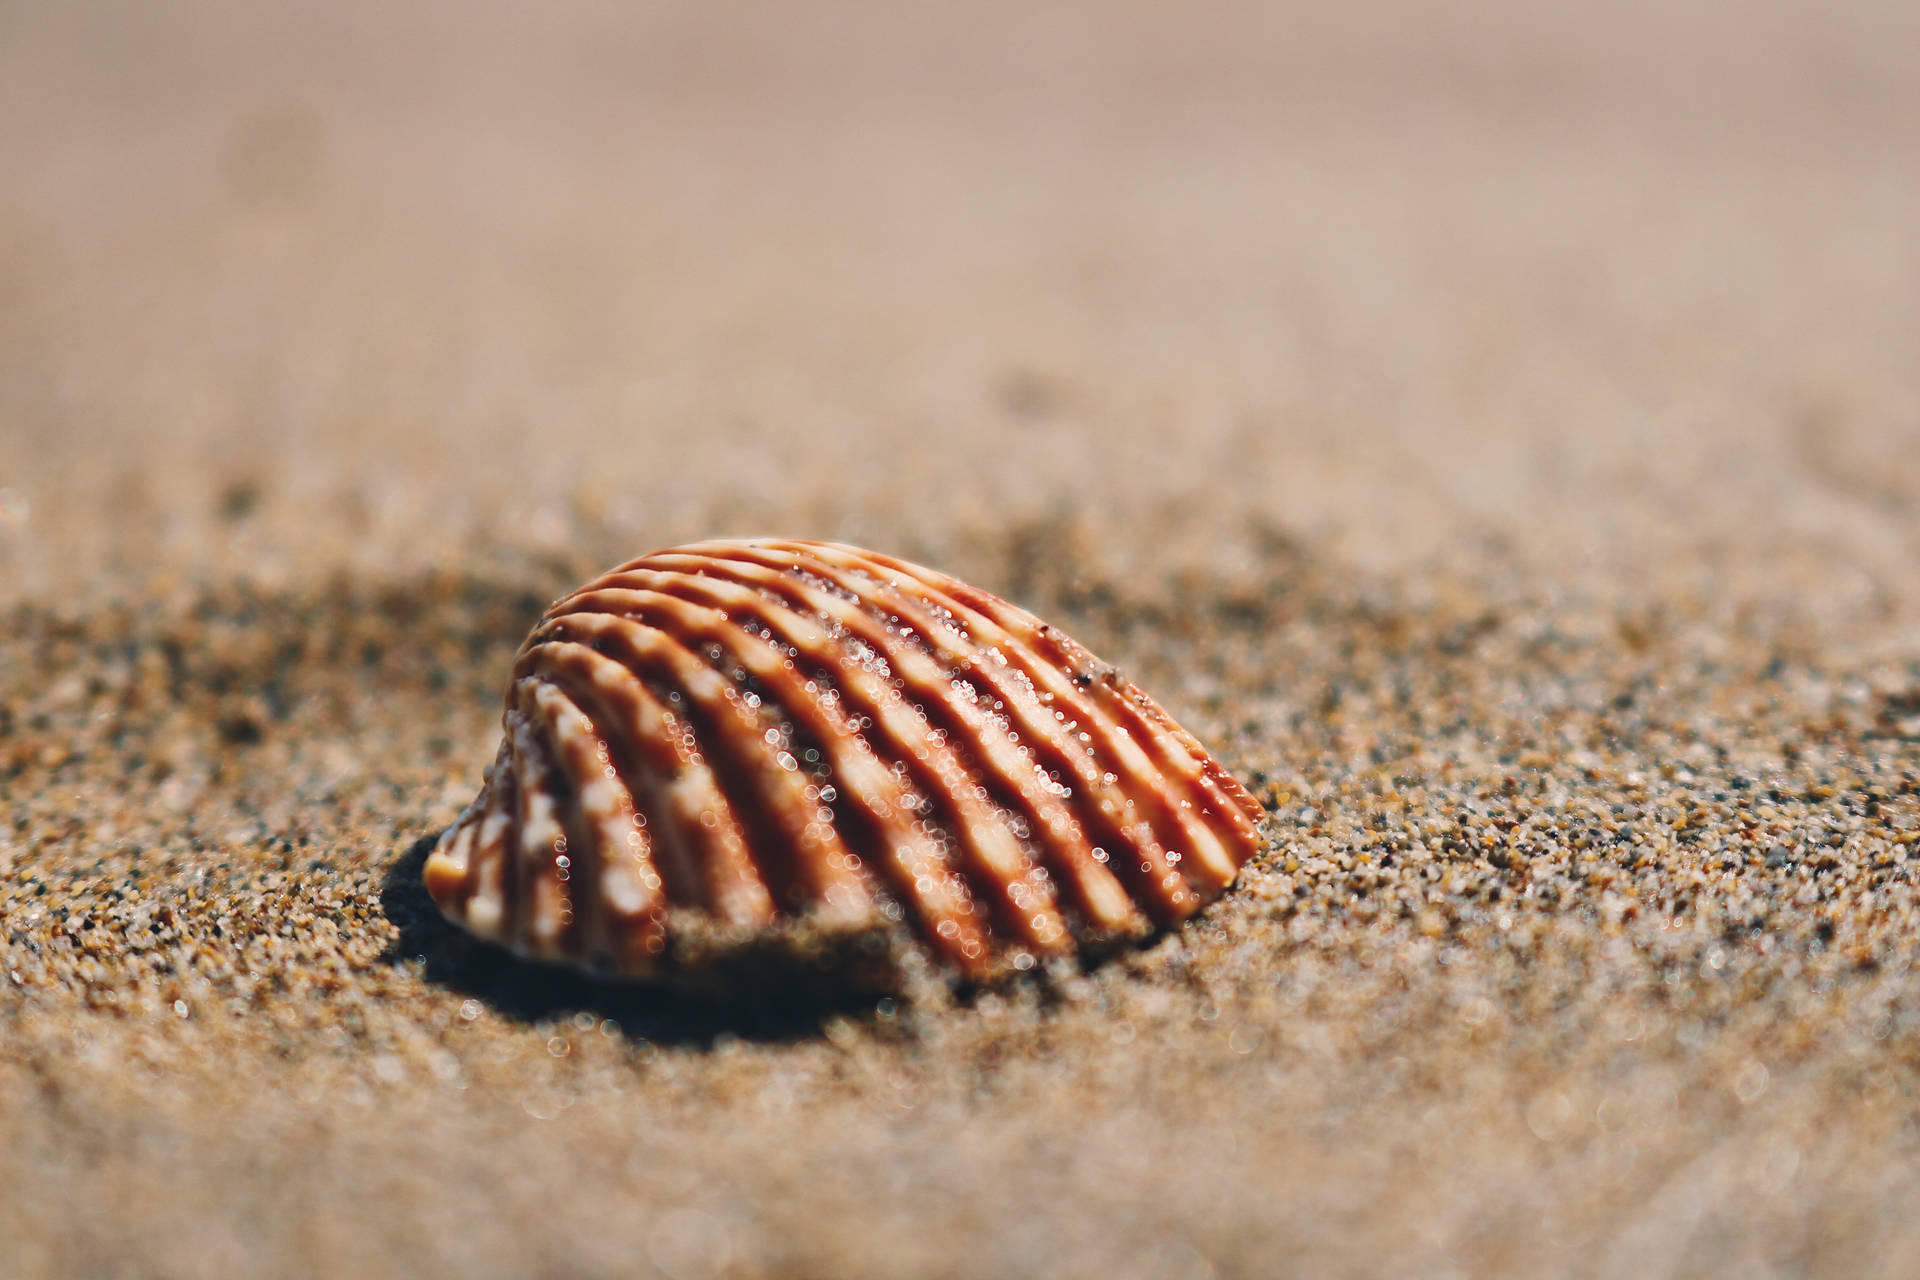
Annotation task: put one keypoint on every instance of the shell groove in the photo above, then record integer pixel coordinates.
(731, 740)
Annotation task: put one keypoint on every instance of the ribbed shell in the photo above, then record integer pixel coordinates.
(735, 738)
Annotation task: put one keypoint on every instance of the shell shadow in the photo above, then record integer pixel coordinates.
(529, 992)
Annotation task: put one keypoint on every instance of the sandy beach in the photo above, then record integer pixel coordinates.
(1494, 431)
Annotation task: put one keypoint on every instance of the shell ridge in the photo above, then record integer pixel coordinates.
(1154, 876)
(898, 852)
(1143, 714)
(576, 855)
(700, 796)
(626, 709)
(672, 789)
(457, 870)
(486, 909)
(450, 864)
(1243, 813)
(1049, 748)
(529, 889)
(1101, 890)
(1151, 723)
(1147, 719)
(613, 878)
(940, 776)
(796, 858)
(1124, 745)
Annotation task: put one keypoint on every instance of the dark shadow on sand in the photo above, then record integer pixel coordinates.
(529, 992)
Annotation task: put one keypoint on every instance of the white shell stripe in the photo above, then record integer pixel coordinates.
(984, 833)
(1105, 810)
(1148, 731)
(914, 866)
(1004, 765)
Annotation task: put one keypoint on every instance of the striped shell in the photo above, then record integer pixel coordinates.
(730, 741)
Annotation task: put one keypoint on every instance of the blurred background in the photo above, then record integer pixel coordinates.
(1492, 426)
(372, 286)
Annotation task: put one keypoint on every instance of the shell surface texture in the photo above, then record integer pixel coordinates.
(802, 749)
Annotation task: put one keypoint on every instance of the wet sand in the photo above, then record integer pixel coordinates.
(1497, 435)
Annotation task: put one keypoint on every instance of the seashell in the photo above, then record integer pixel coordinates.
(740, 746)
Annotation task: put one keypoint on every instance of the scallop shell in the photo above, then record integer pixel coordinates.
(735, 741)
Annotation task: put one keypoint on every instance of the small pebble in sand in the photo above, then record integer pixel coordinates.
(832, 759)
